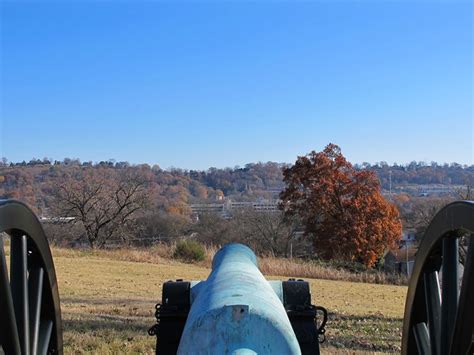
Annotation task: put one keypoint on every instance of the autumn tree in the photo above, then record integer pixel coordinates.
(342, 209)
(103, 200)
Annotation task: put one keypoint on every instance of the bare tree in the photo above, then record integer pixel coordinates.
(422, 213)
(158, 226)
(466, 193)
(104, 201)
(424, 210)
(212, 229)
(267, 232)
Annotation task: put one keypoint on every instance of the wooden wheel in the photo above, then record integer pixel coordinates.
(30, 317)
(438, 319)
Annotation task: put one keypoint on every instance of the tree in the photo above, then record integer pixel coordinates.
(158, 226)
(422, 211)
(266, 232)
(105, 201)
(465, 193)
(425, 209)
(212, 229)
(341, 208)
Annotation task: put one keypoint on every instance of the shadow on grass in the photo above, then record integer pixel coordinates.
(364, 318)
(109, 301)
(108, 324)
(366, 333)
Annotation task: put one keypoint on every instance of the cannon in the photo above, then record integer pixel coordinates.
(237, 311)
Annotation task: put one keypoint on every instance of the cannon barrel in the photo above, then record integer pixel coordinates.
(236, 311)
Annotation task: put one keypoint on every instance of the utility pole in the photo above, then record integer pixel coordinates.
(390, 183)
(406, 254)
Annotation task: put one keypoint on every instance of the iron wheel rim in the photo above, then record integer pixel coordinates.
(433, 325)
(29, 299)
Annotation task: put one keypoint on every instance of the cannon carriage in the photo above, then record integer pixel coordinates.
(237, 311)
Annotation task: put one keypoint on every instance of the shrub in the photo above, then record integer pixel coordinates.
(189, 250)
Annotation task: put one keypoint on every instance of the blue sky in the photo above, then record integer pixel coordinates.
(200, 84)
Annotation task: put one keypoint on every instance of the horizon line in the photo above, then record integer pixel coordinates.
(237, 166)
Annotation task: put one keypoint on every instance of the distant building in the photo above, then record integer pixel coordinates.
(408, 239)
(225, 208)
(400, 260)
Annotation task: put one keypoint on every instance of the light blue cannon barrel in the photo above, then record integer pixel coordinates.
(236, 311)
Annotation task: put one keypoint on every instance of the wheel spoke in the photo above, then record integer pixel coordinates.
(433, 309)
(19, 284)
(422, 339)
(464, 328)
(35, 289)
(46, 329)
(450, 290)
(8, 332)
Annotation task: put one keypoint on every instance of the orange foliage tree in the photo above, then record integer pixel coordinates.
(341, 208)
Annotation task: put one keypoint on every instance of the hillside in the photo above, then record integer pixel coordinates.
(172, 190)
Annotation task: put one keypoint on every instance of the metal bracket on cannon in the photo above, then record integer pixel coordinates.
(303, 315)
(171, 315)
(307, 321)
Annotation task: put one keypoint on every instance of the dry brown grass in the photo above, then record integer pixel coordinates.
(108, 303)
(157, 254)
(299, 268)
(163, 254)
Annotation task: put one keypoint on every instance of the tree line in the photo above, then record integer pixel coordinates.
(116, 202)
(254, 179)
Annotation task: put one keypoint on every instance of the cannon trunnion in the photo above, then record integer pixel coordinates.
(237, 311)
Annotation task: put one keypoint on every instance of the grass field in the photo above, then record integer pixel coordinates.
(108, 305)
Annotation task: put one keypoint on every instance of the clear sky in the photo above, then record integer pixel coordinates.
(199, 84)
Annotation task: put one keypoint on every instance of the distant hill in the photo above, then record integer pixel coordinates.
(34, 181)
